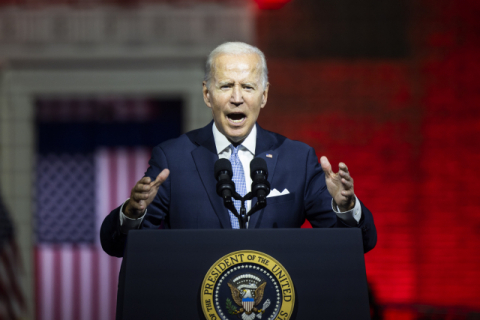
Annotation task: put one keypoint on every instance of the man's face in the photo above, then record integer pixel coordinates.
(236, 94)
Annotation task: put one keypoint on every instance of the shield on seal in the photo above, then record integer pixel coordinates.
(247, 304)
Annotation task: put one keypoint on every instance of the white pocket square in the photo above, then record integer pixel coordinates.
(276, 193)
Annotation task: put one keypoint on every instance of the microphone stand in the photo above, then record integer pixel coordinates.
(243, 216)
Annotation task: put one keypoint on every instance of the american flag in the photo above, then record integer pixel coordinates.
(12, 300)
(75, 278)
(91, 152)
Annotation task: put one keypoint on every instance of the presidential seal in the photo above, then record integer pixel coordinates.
(247, 285)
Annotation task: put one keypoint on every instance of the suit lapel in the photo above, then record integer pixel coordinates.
(204, 157)
(265, 146)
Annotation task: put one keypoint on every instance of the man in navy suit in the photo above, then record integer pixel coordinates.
(179, 188)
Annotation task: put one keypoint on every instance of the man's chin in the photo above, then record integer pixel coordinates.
(236, 137)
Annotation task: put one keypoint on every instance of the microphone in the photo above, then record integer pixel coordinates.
(259, 175)
(224, 173)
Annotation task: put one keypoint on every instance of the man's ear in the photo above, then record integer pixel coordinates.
(265, 95)
(206, 94)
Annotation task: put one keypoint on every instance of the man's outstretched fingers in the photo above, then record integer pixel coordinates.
(347, 193)
(342, 166)
(141, 187)
(347, 184)
(139, 196)
(145, 180)
(345, 175)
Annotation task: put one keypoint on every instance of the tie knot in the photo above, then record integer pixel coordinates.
(235, 149)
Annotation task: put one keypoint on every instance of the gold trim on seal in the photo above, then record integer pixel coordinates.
(251, 257)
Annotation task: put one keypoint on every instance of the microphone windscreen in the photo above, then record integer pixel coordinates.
(258, 164)
(223, 165)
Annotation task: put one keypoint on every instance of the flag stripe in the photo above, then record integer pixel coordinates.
(46, 282)
(79, 281)
(141, 163)
(105, 182)
(104, 285)
(120, 171)
(94, 294)
(57, 280)
(107, 194)
(38, 276)
(76, 283)
(85, 255)
(66, 256)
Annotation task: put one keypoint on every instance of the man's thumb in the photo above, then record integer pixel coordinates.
(162, 176)
(326, 165)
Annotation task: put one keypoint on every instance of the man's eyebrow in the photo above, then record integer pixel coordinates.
(225, 82)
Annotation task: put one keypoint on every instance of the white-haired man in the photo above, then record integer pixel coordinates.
(236, 88)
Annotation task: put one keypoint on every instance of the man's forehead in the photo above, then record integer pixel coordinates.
(250, 61)
(245, 63)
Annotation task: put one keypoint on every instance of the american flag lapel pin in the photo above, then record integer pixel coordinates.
(269, 155)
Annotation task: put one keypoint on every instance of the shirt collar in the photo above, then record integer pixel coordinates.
(221, 142)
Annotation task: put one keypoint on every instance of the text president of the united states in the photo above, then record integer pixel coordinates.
(178, 189)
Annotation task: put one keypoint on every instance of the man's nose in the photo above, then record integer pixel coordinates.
(236, 98)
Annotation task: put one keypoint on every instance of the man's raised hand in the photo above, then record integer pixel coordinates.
(340, 185)
(143, 194)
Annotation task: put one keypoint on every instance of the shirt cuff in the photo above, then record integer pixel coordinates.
(350, 217)
(127, 223)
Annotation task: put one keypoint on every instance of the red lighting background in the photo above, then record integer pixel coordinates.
(271, 4)
(409, 130)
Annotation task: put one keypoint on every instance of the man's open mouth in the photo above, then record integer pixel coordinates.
(236, 117)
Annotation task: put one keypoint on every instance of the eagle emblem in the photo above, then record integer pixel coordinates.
(247, 292)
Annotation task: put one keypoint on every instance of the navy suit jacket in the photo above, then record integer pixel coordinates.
(188, 198)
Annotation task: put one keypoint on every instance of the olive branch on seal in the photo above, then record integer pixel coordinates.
(230, 307)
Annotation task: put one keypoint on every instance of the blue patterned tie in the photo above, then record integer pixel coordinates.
(240, 185)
